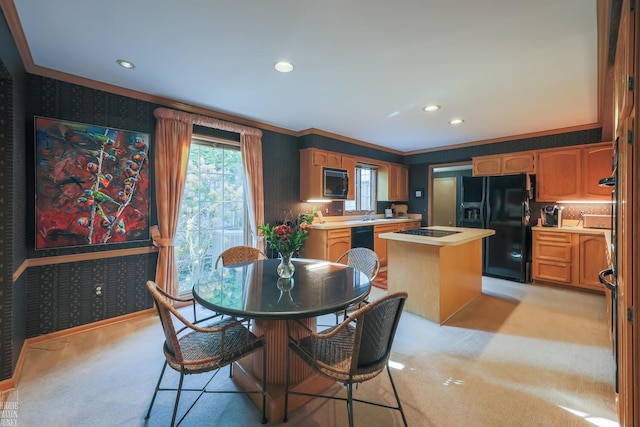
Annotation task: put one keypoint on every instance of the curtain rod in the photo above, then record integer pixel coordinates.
(210, 122)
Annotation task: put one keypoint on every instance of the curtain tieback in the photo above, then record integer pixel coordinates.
(163, 243)
(158, 241)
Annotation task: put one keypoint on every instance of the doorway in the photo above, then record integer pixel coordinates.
(444, 201)
(443, 198)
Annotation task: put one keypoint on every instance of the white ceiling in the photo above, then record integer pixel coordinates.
(363, 68)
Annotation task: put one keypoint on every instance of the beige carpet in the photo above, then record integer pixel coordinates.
(520, 355)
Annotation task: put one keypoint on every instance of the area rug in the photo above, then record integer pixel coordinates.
(380, 281)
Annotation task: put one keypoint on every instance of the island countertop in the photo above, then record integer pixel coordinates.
(348, 223)
(463, 236)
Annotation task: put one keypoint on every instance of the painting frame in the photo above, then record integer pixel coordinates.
(92, 184)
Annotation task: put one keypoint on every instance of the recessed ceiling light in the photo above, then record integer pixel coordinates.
(125, 64)
(430, 108)
(455, 121)
(283, 66)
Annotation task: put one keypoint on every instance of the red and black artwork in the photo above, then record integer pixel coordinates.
(92, 184)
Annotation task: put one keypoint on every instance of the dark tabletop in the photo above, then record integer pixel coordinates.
(254, 289)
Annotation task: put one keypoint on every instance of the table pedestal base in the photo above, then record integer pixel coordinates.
(248, 371)
(244, 379)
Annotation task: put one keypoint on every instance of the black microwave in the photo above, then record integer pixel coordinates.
(335, 183)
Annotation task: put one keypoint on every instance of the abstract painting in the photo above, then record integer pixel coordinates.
(92, 184)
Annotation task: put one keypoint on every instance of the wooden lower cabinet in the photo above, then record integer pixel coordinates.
(330, 244)
(570, 259)
(327, 244)
(593, 259)
(380, 245)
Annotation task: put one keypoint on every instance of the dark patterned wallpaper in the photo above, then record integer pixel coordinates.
(62, 296)
(6, 226)
(12, 174)
(67, 295)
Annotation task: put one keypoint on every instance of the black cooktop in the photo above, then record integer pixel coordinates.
(428, 233)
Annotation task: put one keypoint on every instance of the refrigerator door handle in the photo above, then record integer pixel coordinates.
(487, 205)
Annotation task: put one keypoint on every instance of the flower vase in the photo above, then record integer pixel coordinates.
(286, 267)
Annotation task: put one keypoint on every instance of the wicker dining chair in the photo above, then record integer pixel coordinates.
(364, 260)
(238, 254)
(192, 349)
(355, 351)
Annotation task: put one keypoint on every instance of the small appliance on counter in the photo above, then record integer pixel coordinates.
(597, 221)
(400, 210)
(388, 213)
(551, 216)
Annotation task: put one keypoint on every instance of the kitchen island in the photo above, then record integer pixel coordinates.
(442, 272)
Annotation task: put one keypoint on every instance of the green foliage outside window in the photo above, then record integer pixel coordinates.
(212, 212)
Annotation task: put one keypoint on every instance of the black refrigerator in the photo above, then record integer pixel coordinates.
(500, 203)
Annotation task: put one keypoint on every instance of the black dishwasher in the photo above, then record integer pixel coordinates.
(362, 237)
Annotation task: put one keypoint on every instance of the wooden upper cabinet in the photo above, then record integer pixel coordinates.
(487, 166)
(596, 164)
(558, 175)
(516, 163)
(349, 164)
(327, 159)
(505, 164)
(312, 161)
(393, 183)
(401, 176)
(573, 173)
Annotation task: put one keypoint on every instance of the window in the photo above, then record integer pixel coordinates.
(365, 185)
(213, 209)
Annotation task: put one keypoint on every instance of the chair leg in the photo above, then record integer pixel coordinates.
(175, 407)
(264, 385)
(395, 392)
(350, 402)
(286, 384)
(155, 393)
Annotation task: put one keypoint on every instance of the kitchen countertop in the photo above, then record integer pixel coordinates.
(465, 235)
(348, 223)
(573, 229)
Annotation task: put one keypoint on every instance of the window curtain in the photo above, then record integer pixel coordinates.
(173, 139)
(251, 147)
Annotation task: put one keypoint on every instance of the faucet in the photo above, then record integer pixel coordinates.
(367, 216)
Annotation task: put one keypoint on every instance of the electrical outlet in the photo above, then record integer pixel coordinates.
(98, 290)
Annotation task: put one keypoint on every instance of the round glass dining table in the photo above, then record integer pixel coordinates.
(254, 290)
